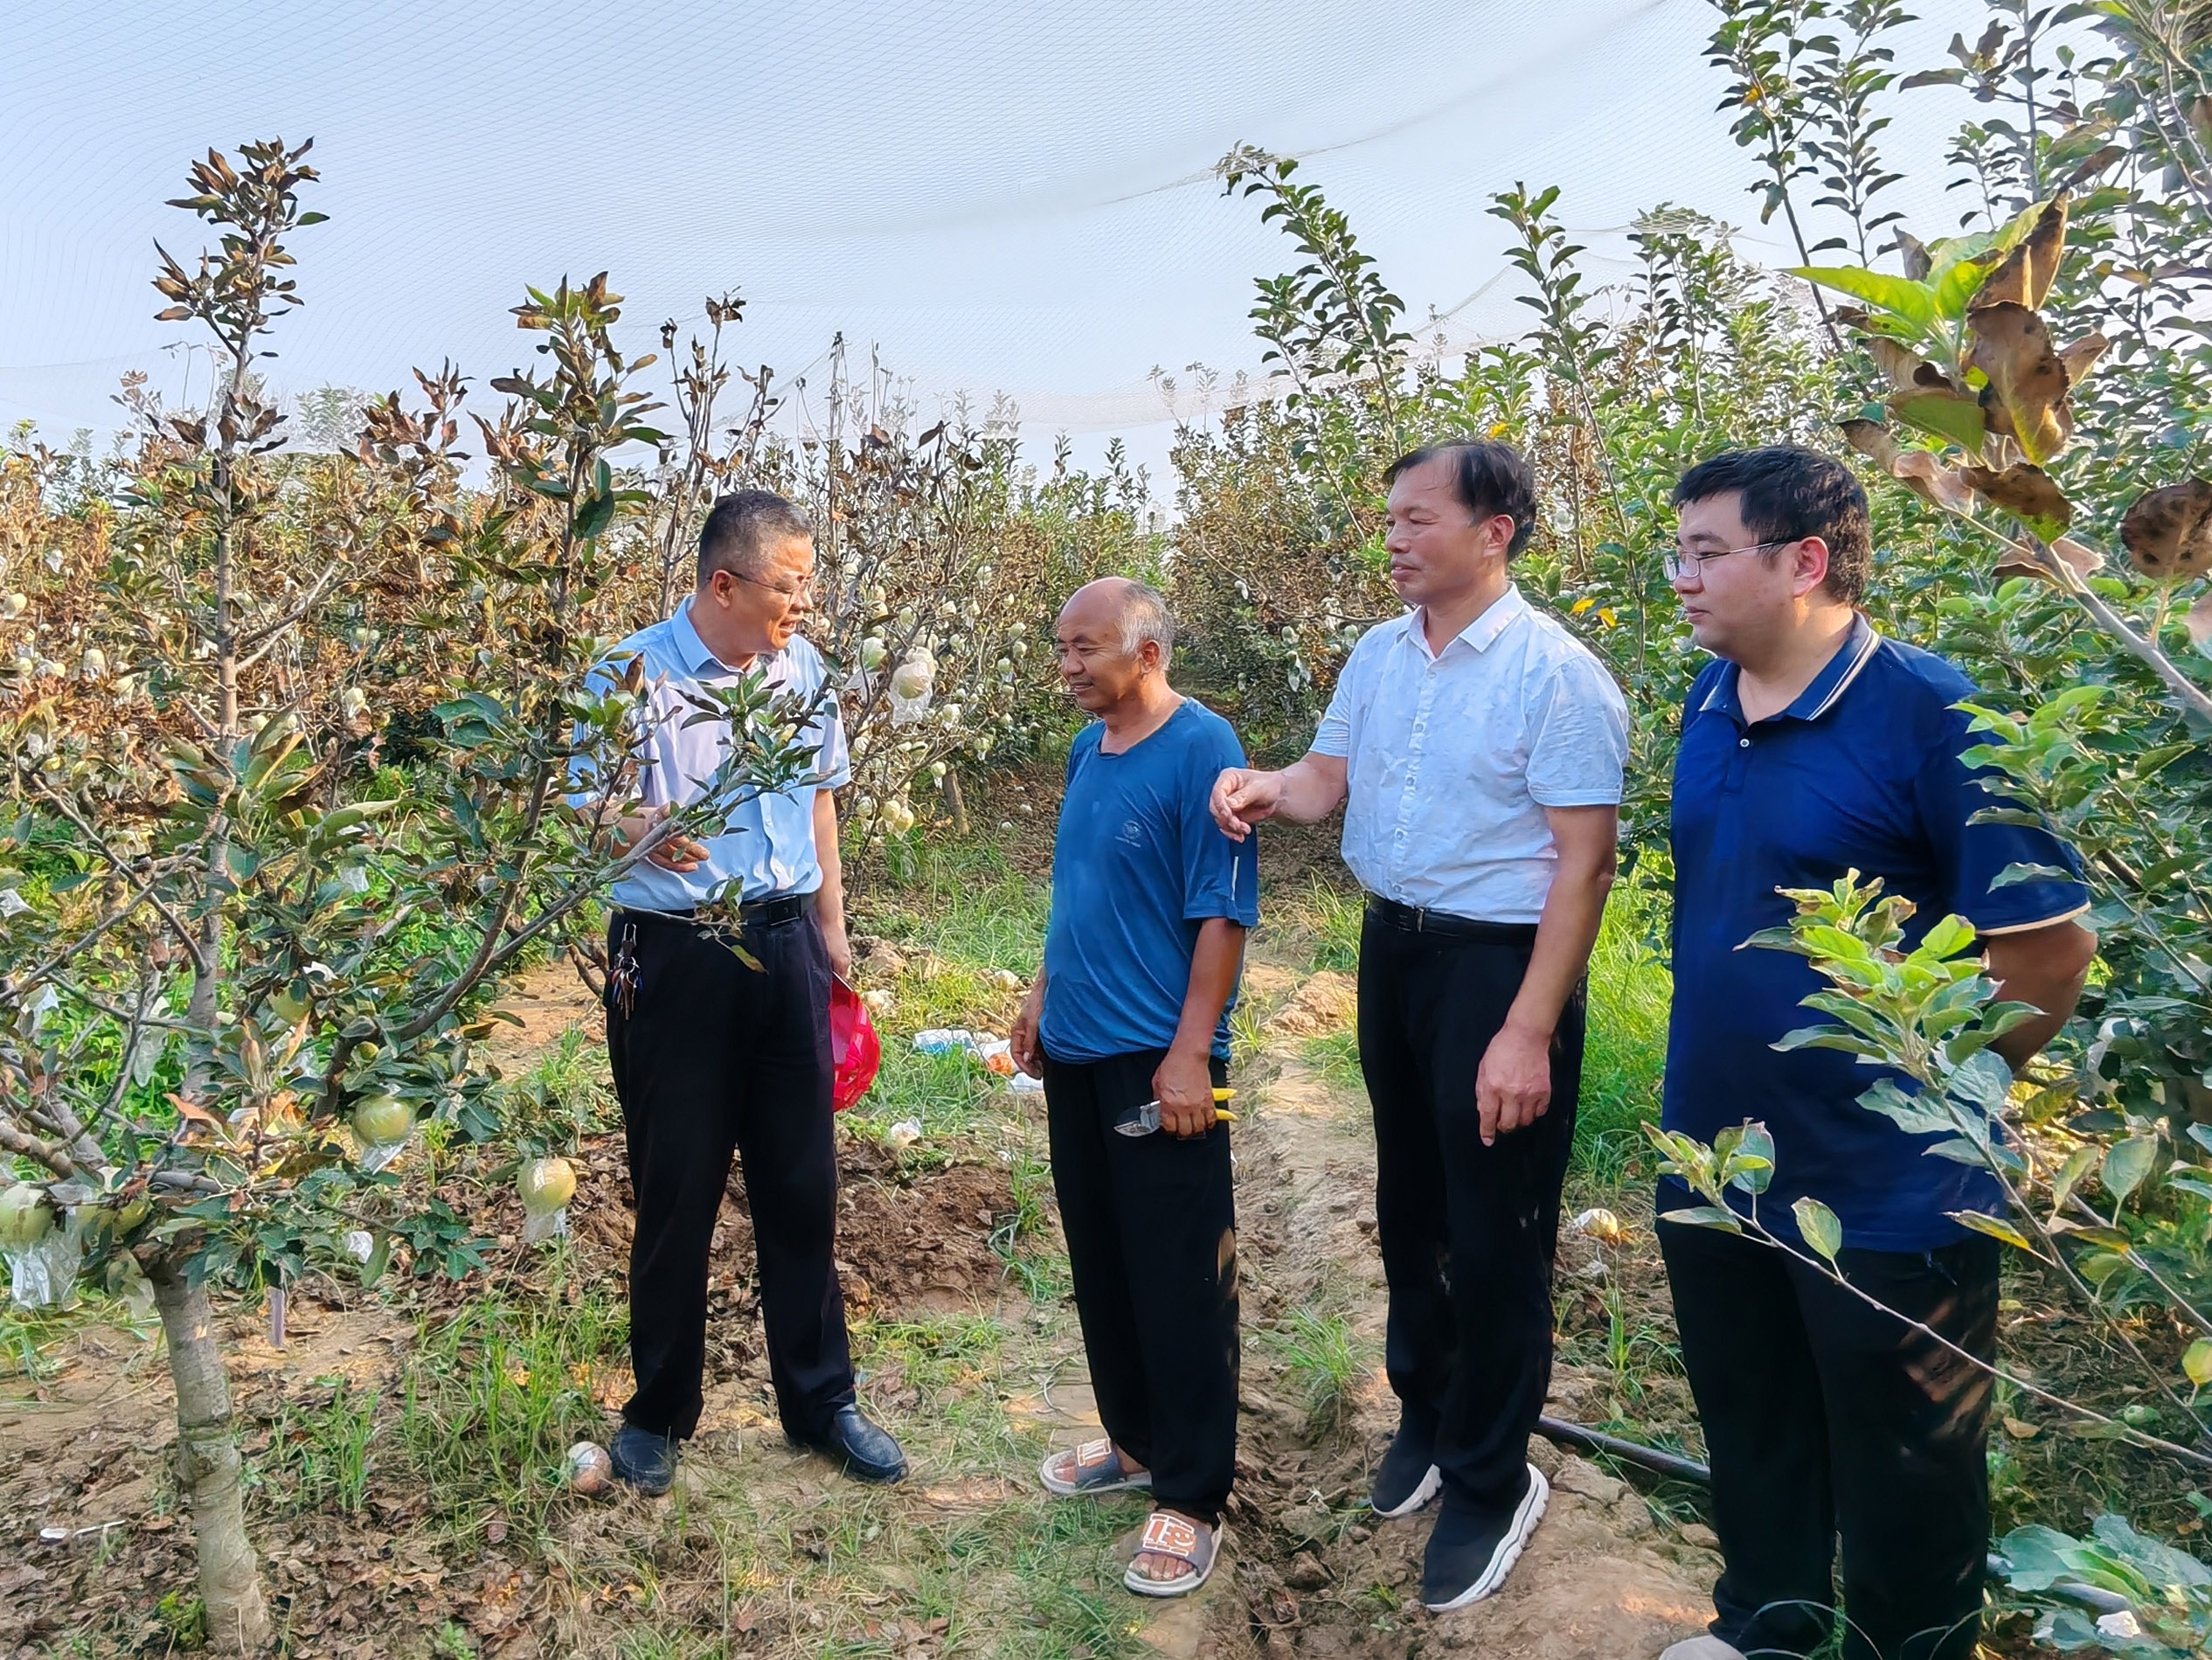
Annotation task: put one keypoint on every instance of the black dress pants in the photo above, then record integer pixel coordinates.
(1822, 1417)
(1151, 1225)
(1467, 1232)
(715, 1056)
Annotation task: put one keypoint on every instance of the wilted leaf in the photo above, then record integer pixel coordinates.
(1872, 440)
(1947, 414)
(1906, 368)
(2080, 358)
(2025, 276)
(2126, 1164)
(1819, 1226)
(2025, 397)
(1914, 254)
(2026, 492)
(2198, 622)
(2020, 560)
(2169, 532)
(1927, 476)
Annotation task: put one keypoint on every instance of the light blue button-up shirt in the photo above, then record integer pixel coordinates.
(769, 843)
(1452, 757)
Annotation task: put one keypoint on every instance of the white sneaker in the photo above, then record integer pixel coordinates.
(1705, 1648)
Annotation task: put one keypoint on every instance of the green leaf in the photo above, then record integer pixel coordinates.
(2197, 1362)
(1946, 415)
(1995, 1226)
(1915, 302)
(2077, 1164)
(1819, 1226)
(2127, 1164)
(1948, 937)
(1712, 1216)
(1750, 1165)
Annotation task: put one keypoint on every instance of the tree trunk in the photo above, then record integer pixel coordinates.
(207, 1466)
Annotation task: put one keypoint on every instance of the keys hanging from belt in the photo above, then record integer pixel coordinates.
(622, 974)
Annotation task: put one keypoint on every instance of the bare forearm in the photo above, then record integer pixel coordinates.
(1214, 965)
(829, 901)
(1573, 912)
(1311, 791)
(2046, 969)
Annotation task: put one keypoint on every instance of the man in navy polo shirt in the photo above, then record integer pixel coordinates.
(1814, 747)
(1150, 905)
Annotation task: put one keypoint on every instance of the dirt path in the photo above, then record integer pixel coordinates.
(1314, 1575)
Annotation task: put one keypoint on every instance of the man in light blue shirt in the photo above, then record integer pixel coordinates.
(1477, 746)
(712, 1055)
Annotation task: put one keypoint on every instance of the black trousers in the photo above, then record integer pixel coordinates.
(1467, 1232)
(715, 1056)
(1823, 1417)
(1151, 1225)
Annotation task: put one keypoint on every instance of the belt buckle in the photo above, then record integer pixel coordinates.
(1420, 919)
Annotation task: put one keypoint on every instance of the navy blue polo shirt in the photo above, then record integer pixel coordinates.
(1862, 773)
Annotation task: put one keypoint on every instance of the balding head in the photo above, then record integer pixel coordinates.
(1136, 611)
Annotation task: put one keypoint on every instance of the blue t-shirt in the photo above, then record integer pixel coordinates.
(1862, 773)
(1139, 866)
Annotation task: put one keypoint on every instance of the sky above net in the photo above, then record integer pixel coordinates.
(996, 199)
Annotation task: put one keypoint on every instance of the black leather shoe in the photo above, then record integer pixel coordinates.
(867, 1451)
(646, 1461)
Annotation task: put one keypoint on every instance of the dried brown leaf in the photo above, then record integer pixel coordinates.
(2081, 357)
(1931, 480)
(2169, 532)
(2026, 397)
(2025, 276)
(2026, 492)
(2199, 622)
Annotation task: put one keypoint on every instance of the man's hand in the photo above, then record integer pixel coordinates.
(1241, 799)
(1513, 1086)
(1023, 1045)
(679, 853)
(840, 949)
(1184, 1085)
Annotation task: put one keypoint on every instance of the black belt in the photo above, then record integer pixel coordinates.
(1446, 925)
(772, 912)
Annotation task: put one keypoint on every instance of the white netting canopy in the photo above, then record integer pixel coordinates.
(1000, 198)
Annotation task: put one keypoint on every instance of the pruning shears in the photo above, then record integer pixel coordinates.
(1147, 1121)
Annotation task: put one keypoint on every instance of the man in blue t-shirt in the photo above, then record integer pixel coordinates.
(1814, 747)
(1150, 903)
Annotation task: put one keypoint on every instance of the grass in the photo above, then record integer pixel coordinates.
(1324, 1360)
(497, 1394)
(1625, 1053)
(320, 1457)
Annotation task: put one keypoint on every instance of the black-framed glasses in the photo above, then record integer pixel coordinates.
(1678, 561)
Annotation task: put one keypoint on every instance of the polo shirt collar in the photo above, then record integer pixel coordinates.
(1835, 678)
(1507, 610)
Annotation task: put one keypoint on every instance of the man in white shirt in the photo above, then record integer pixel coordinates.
(1478, 747)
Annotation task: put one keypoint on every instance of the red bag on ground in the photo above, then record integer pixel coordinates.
(854, 1048)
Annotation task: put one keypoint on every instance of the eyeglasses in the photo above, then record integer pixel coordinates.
(1676, 561)
(805, 590)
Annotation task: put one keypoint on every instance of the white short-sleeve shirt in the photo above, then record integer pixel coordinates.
(1452, 757)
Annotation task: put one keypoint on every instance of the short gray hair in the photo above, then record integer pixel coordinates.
(1145, 616)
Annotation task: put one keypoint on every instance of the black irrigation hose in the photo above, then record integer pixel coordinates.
(1629, 1451)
